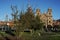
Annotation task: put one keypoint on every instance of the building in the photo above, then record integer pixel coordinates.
(46, 17)
(9, 23)
(56, 22)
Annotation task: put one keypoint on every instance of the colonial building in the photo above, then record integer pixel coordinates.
(56, 22)
(10, 23)
(45, 17)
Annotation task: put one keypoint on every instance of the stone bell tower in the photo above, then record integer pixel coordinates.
(38, 12)
(49, 17)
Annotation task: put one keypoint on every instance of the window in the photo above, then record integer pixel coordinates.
(49, 21)
(49, 13)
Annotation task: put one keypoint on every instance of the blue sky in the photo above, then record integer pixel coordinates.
(5, 7)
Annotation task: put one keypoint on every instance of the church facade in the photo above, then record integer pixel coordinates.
(45, 17)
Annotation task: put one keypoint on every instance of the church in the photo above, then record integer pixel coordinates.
(46, 17)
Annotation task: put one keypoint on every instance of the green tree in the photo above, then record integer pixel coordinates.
(30, 21)
(39, 23)
(22, 21)
(15, 19)
(29, 15)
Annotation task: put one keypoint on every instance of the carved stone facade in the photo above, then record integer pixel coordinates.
(46, 17)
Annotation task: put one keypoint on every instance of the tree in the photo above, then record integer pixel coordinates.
(15, 18)
(29, 15)
(39, 23)
(30, 21)
(22, 21)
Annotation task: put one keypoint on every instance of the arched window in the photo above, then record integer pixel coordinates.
(49, 13)
(49, 21)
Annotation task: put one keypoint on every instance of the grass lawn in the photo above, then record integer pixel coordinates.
(35, 36)
(50, 37)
